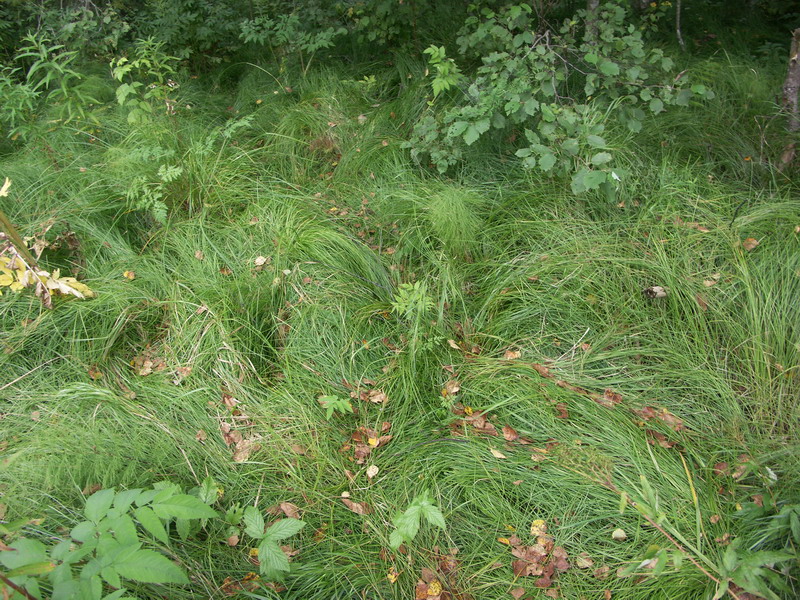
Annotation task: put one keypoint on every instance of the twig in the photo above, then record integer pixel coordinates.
(20, 590)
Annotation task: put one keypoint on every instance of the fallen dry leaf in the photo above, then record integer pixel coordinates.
(609, 399)
(95, 373)
(372, 471)
(232, 587)
(497, 453)
(36, 415)
(198, 254)
(232, 540)
(714, 519)
(750, 244)
(392, 575)
(511, 354)
(129, 275)
(562, 411)
(538, 528)
(517, 592)
(701, 302)
(583, 561)
(602, 572)
(201, 436)
(509, 433)
(619, 535)
(655, 291)
(451, 388)
(290, 510)
(712, 280)
(360, 508)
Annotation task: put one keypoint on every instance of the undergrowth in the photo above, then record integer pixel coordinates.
(263, 272)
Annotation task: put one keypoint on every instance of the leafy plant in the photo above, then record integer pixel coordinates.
(43, 78)
(333, 404)
(411, 298)
(555, 86)
(272, 560)
(112, 545)
(145, 80)
(408, 522)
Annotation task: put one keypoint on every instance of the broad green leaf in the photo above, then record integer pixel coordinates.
(148, 566)
(284, 528)
(531, 106)
(125, 498)
(111, 577)
(794, 524)
(91, 588)
(97, 504)
(656, 105)
(608, 67)
(765, 557)
(183, 527)
(124, 530)
(456, 129)
(591, 58)
(115, 595)
(26, 552)
(570, 146)
(595, 141)
(661, 562)
(601, 158)
(253, 522)
(471, 135)
(152, 524)
(146, 497)
(395, 539)
(208, 491)
(83, 531)
(547, 161)
(593, 179)
(183, 506)
(271, 558)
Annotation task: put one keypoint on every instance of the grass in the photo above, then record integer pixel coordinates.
(509, 261)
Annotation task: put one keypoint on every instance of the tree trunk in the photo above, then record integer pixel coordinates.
(791, 102)
(678, 31)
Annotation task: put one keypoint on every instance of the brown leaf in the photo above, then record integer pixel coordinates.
(451, 388)
(198, 254)
(559, 559)
(609, 399)
(226, 271)
(377, 396)
(601, 572)
(562, 411)
(714, 519)
(584, 561)
(511, 354)
(129, 275)
(657, 438)
(750, 244)
(655, 291)
(232, 540)
(244, 449)
(201, 436)
(95, 373)
(606, 594)
(721, 468)
(298, 449)
(36, 415)
(360, 508)
(509, 433)
(290, 510)
(701, 302)
(517, 592)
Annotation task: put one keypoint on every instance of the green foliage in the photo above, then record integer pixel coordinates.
(333, 404)
(286, 36)
(557, 87)
(412, 299)
(145, 80)
(407, 523)
(114, 543)
(273, 562)
(42, 78)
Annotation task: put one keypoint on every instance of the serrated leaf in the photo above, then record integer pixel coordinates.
(253, 522)
(271, 558)
(148, 566)
(183, 527)
(531, 106)
(284, 528)
(433, 515)
(125, 498)
(152, 524)
(591, 58)
(183, 506)
(395, 539)
(593, 179)
(208, 491)
(32, 570)
(124, 530)
(661, 562)
(97, 505)
(83, 531)
(110, 575)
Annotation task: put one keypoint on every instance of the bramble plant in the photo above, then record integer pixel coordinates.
(556, 86)
(273, 562)
(113, 544)
(408, 522)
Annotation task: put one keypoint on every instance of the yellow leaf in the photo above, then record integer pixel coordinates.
(129, 275)
(504, 540)
(372, 442)
(392, 575)
(434, 588)
(497, 453)
(6, 279)
(538, 528)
